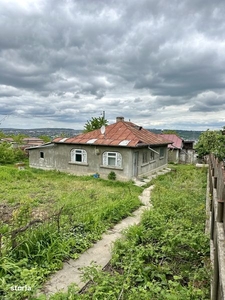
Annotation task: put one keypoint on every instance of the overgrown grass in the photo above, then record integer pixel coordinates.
(167, 255)
(87, 207)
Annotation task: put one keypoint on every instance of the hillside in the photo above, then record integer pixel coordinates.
(184, 134)
(53, 132)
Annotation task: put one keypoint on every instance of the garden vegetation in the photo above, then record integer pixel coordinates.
(48, 217)
(166, 256)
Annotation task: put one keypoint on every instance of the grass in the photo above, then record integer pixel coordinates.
(164, 257)
(88, 206)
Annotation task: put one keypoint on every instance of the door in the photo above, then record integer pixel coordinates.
(135, 167)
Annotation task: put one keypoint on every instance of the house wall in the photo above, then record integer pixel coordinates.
(58, 157)
(145, 169)
(173, 155)
(188, 156)
(46, 163)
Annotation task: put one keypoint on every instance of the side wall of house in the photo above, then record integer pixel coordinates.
(59, 158)
(188, 156)
(135, 162)
(37, 161)
(152, 165)
(173, 155)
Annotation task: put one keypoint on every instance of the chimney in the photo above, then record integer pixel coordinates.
(119, 119)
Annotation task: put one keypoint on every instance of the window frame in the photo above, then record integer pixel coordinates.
(81, 152)
(152, 156)
(145, 157)
(109, 155)
(161, 152)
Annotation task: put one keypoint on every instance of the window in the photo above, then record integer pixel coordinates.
(152, 155)
(79, 156)
(42, 154)
(112, 159)
(161, 152)
(145, 157)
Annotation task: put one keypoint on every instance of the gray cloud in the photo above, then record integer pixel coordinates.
(208, 102)
(65, 61)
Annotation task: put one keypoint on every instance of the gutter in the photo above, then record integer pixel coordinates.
(153, 150)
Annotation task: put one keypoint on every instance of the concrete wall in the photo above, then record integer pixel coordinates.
(154, 165)
(173, 155)
(58, 157)
(188, 156)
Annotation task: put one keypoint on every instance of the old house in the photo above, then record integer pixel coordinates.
(189, 154)
(180, 151)
(123, 147)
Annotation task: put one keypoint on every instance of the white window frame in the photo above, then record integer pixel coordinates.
(82, 153)
(109, 156)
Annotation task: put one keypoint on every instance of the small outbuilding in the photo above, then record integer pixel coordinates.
(180, 151)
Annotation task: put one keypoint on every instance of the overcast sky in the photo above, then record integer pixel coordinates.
(158, 63)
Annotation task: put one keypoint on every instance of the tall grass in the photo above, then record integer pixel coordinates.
(167, 255)
(87, 206)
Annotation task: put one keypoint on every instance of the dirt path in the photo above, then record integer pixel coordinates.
(100, 253)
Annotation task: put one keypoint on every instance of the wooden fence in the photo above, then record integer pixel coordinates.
(217, 226)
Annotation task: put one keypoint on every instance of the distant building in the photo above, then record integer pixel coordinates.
(25, 143)
(180, 151)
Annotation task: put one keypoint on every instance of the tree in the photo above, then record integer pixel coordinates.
(18, 137)
(45, 138)
(168, 131)
(211, 141)
(9, 155)
(95, 123)
(2, 135)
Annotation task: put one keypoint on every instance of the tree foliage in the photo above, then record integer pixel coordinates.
(168, 131)
(9, 155)
(95, 123)
(45, 138)
(2, 135)
(18, 138)
(211, 141)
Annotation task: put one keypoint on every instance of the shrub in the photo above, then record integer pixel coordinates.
(112, 175)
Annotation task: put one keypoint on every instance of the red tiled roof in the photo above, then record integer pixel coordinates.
(32, 139)
(176, 141)
(118, 134)
(7, 139)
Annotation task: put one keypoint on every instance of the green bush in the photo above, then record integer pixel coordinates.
(112, 175)
(9, 155)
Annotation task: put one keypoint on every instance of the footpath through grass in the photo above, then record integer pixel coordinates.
(167, 255)
(70, 214)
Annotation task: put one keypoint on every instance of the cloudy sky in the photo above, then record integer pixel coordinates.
(158, 63)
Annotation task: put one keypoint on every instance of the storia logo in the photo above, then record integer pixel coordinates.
(21, 288)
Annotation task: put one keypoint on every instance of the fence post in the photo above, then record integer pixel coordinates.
(220, 210)
(220, 200)
(212, 223)
(215, 283)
